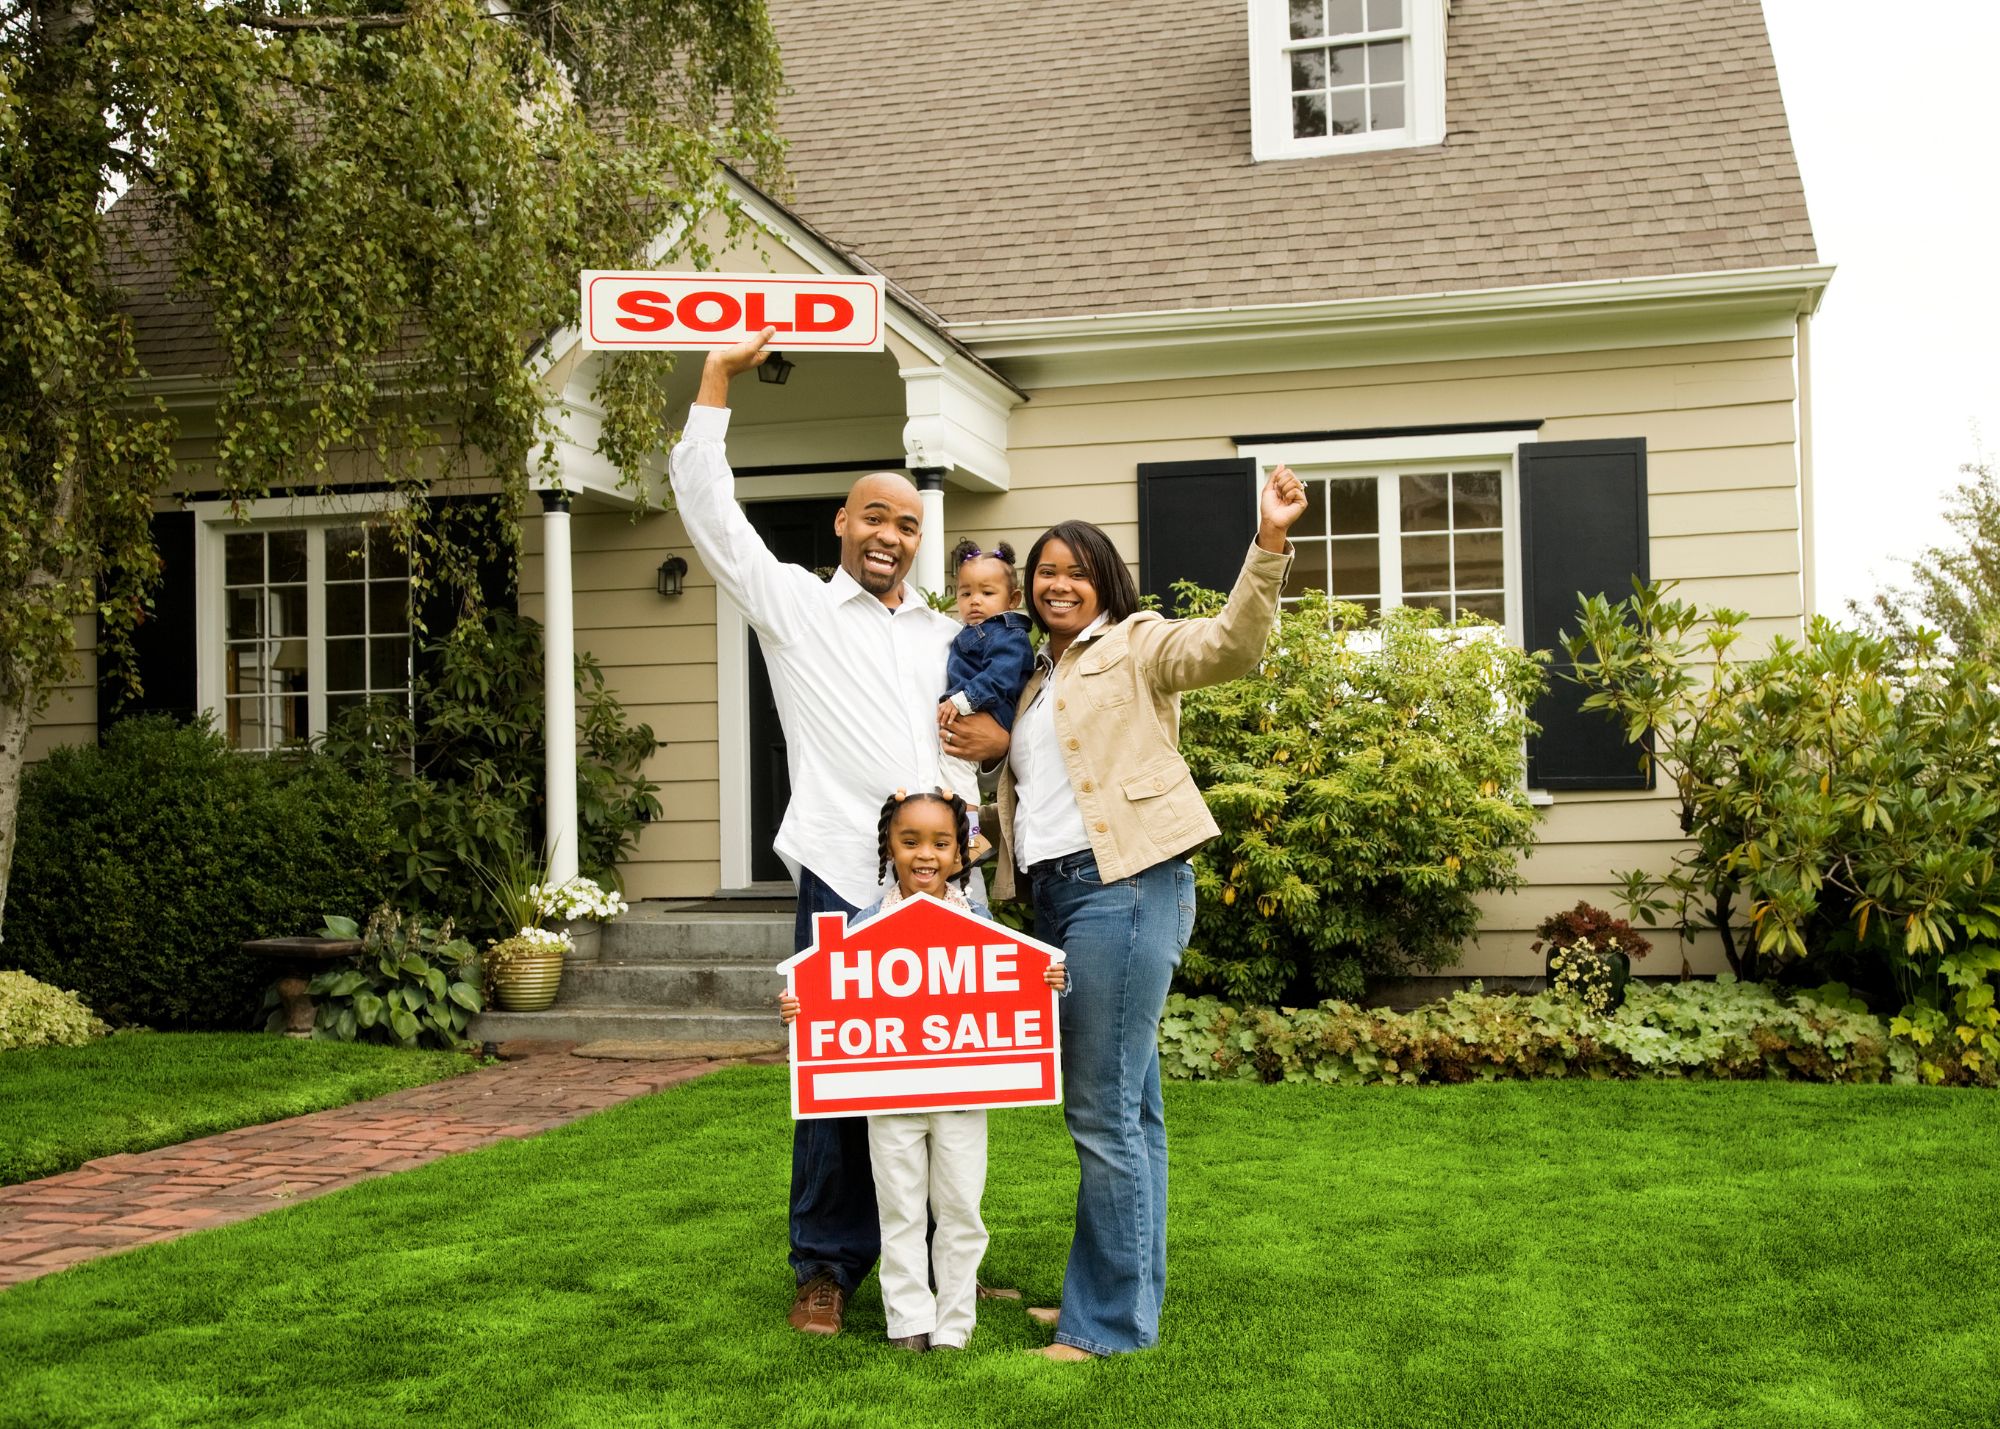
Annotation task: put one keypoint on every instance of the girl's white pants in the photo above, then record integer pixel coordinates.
(936, 1157)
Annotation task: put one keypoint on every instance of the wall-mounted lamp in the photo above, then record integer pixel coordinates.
(671, 571)
(775, 369)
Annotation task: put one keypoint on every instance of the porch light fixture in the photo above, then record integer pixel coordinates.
(671, 571)
(775, 369)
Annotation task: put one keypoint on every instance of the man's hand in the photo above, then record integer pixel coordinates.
(725, 363)
(1283, 502)
(977, 737)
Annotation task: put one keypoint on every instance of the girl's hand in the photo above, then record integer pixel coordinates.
(947, 713)
(1056, 976)
(788, 1008)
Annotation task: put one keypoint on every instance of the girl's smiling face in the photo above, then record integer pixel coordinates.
(923, 847)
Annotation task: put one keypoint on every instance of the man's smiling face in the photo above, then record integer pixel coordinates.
(879, 529)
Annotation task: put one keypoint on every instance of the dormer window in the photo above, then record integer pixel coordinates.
(1343, 76)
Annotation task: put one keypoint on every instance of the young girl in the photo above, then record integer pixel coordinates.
(937, 1157)
(990, 663)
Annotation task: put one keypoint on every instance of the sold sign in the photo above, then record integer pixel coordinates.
(664, 311)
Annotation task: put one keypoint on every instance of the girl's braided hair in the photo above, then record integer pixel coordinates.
(1003, 553)
(960, 829)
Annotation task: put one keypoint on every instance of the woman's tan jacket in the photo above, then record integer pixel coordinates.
(1118, 722)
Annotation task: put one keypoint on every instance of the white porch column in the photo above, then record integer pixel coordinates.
(559, 686)
(930, 570)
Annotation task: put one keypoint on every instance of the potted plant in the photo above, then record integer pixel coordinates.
(579, 907)
(522, 971)
(1590, 956)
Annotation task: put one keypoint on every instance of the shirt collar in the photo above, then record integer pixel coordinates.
(845, 587)
(1042, 655)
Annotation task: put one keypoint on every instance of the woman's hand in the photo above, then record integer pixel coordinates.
(1282, 503)
(788, 1008)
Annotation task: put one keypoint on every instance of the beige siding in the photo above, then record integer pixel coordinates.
(71, 717)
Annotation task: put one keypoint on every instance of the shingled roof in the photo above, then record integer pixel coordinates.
(1042, 158)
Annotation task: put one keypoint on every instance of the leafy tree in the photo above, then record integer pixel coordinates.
(381, 213)
(1954, 589)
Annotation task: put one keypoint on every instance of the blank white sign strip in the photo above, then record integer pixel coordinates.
(927, 1081)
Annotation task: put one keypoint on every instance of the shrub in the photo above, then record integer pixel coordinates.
(144, 862)
(33, 1014)
(462, 782)
(1365, 795)
(410, 985)
(1696, 1030)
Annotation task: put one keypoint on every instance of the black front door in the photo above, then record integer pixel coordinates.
(800, 533)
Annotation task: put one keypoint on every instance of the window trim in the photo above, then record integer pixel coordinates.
(215, 520)
(1271, 90)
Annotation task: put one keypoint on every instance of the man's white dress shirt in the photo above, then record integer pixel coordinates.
(1047, 822)
(857, 683)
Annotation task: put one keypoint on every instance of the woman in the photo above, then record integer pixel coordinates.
(1098, 807)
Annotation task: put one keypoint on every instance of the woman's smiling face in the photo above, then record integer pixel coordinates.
(923, 847)
(1062, 592)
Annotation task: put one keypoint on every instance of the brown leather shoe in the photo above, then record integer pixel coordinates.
(994, 1292)
(916, 1344)
(819, 1308)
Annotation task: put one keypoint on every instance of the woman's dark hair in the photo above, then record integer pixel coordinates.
(1117, 597)
(1003, 553)
(961, 830)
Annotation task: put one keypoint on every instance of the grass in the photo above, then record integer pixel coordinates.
(1599, 1254)
(63, 1106)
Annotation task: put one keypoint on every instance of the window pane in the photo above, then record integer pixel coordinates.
(1313, 523)
(246, 614)
(389, 663)
(1308, 570)
(1493, 607)
(1308, 116)
(1385, 14)
(1343, 17)
(1343, 65)
(346, 554)
(243, 559)
(1387, 102)
(1306, 19)
(246, 724)
(1430, 602)
(1356, 568)
(243, 669)
(346, 665)
(388, 607)
(337, 705)
(1385, 63)
(290, 664)
(1478, 561)
(383, 557)
(346, 610)
(290, 718)
(1309, 69)
(1345, 111)
(288, 610)
(1425, 505)
(1475, 500)
(1350, 506)
(288, 557)
(1426, 563)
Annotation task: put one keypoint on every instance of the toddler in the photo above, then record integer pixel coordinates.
(990, 663)
(937, 1157)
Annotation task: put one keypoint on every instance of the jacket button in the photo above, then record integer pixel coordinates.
(1061, 706)
(1073, 744)
(1102, 826)
(1088, 787)
(1159, 783)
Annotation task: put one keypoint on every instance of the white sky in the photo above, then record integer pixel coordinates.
(1904, 191)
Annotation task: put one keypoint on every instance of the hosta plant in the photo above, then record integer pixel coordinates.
(410, 985)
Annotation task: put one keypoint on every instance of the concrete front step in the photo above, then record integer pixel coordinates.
(629, 1024)
(746, 939)
(734, 988)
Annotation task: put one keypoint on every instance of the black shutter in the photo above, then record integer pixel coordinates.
(1583, 532)
(1196, 522)
(162, 656)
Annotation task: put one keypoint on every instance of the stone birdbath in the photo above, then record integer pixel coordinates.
(297, 959)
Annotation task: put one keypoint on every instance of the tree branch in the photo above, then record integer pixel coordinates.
(297, 23)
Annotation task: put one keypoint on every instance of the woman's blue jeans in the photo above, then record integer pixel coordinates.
(1123, 941)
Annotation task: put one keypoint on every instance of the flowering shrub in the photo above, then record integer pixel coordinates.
(1697, 1030)
(33, 1014)
(1580, 944)
(578, 898)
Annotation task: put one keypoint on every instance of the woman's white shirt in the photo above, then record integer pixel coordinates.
(1047, 822)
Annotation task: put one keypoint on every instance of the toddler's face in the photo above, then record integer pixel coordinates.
(983, 590)
(923, 848)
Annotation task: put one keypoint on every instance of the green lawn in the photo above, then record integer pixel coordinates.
(1591, 1254)
(63, 1106)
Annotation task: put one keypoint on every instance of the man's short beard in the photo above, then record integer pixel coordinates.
(866, 578)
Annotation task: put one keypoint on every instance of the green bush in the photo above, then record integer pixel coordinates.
(1368, 783)
(146, 861)
(410, 985)
(1721, 1030)
(462, 782)
(33, 1014)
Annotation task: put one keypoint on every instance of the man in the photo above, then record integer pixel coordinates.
(857, 667)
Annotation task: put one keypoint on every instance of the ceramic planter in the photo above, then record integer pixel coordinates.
(529, 983)
(1616, 965)
(586, 937)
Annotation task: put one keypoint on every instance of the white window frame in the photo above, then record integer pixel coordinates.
(1271, 85)
(1398, 456)
(215, 520)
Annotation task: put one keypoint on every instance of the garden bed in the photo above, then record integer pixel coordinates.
(63, 1106)
(1535, 1254)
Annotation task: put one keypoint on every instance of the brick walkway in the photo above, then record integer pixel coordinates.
(138, 1198)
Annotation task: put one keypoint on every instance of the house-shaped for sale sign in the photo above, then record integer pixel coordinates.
(921, 1008)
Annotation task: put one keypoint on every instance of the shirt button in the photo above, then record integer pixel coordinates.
(1102, 826)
